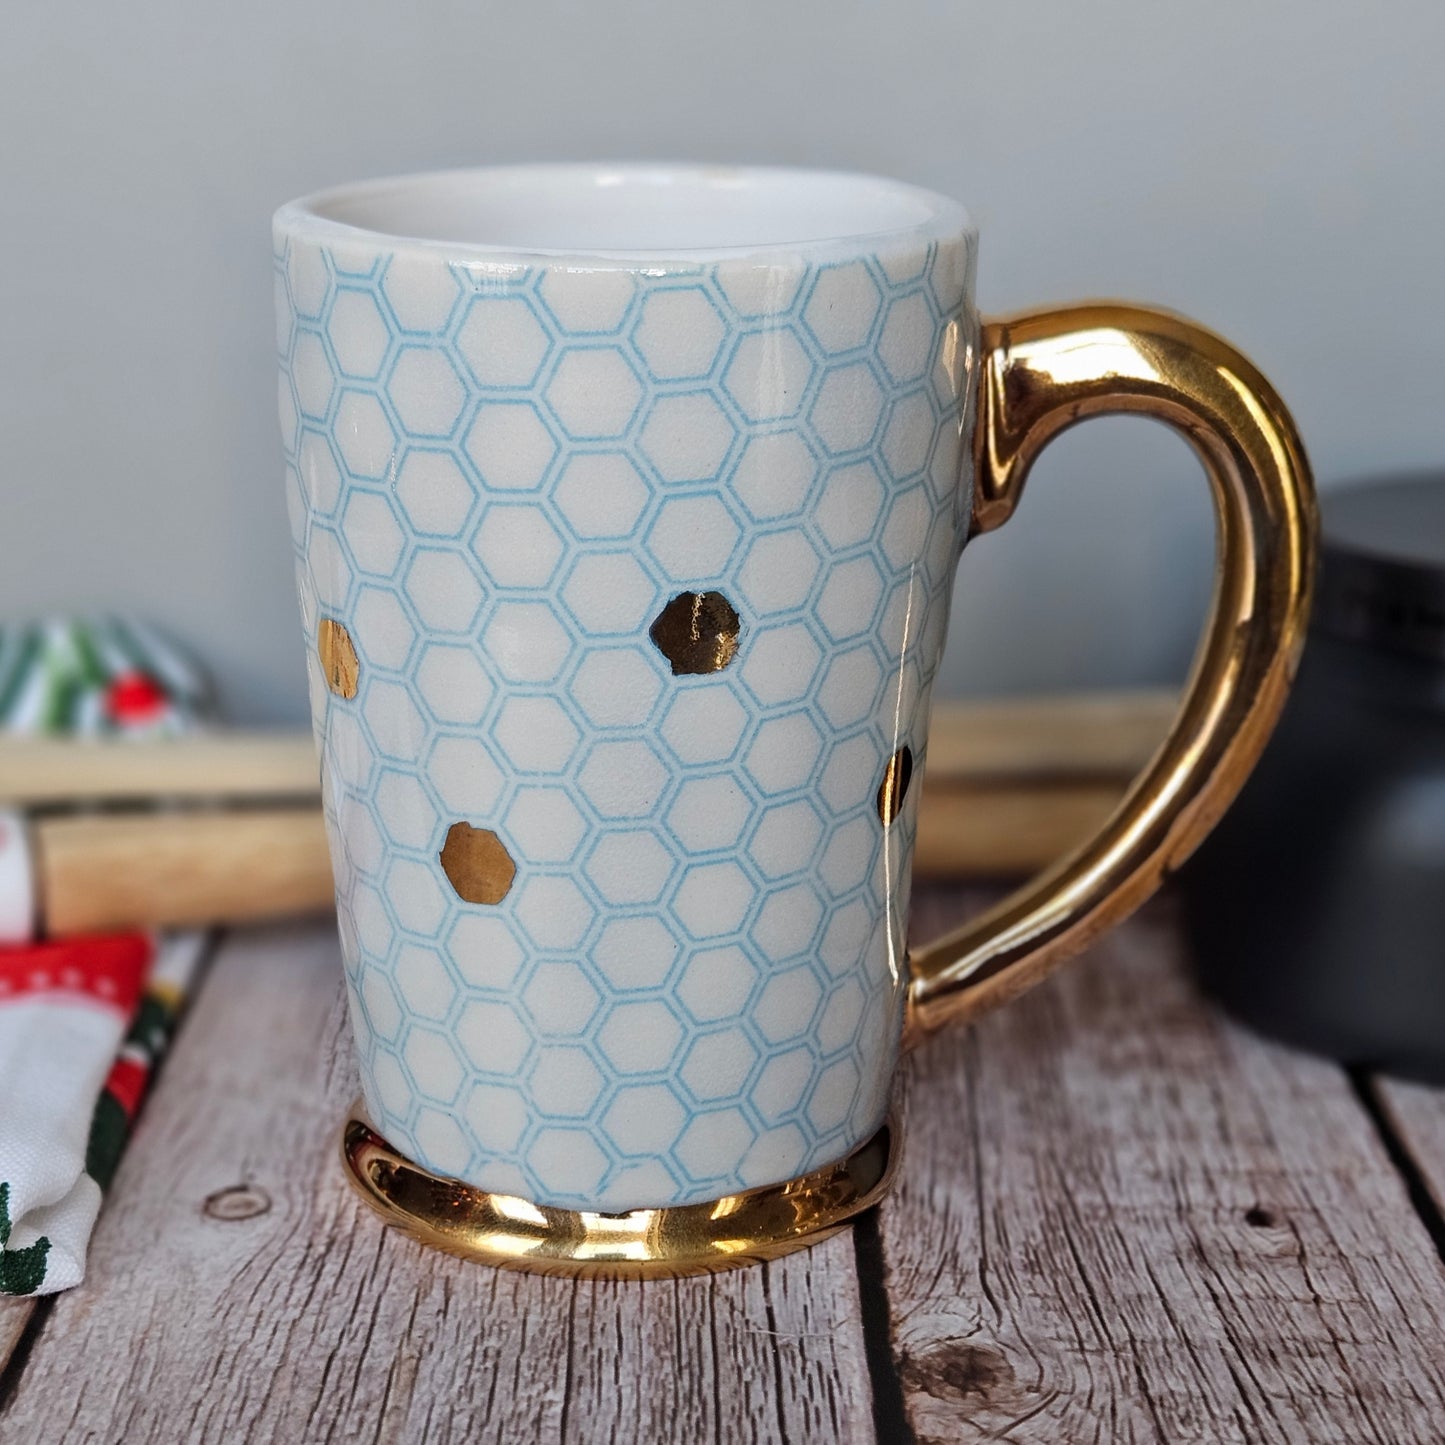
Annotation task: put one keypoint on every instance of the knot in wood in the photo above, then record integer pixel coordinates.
(235, 1202)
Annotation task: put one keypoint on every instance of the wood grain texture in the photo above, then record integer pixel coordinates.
(1120, 1219)
(37, 771)
(180, 869)
(238, 1292)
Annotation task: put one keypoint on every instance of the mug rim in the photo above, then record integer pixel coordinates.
(761, 212)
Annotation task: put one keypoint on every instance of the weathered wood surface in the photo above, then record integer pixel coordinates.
(237, 1291)
(1122, 1219)
(1119, 1219)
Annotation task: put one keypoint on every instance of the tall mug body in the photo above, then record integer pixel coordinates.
(626, 504)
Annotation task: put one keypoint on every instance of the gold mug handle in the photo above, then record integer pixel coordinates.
(1038, 374)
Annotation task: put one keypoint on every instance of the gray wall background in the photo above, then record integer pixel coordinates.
(1277, 169)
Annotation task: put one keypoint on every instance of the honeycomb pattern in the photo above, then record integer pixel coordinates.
(499, 476)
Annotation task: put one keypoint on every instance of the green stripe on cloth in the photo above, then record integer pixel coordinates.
(82, 677)
(22, 1271)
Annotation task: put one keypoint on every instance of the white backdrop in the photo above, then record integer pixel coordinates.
(1275, 169)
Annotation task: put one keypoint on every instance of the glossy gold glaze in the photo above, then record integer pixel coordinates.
(1039, 374)
(338, 657)
(894, 788)
(697, 632)
(477, 864)
(499, 1229)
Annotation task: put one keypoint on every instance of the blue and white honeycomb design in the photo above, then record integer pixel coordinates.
(498, 476)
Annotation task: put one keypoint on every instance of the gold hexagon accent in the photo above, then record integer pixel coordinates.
(338, 657)
(697, 632)
(477, 864)
(894, 788)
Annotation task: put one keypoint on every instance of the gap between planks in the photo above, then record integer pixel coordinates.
(1411, 1119)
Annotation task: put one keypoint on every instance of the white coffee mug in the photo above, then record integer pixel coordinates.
(627, 501)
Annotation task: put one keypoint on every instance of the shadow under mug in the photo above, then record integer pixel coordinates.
(626, 502)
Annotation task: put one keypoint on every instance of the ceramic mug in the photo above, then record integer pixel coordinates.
(626, 502)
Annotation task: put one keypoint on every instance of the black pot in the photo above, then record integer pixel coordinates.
(1316, 909)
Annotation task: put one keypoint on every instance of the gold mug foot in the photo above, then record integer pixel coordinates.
(513, 1233)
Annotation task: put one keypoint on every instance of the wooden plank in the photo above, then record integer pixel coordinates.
(210, 765)
(1121, 1219)
(1103, 735)
(237, 1291)
(180, 869)
(968, 832)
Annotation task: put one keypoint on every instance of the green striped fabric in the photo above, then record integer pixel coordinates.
(90, 677)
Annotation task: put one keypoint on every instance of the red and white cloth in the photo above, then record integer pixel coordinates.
(63, 1012)
(82, 1023)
